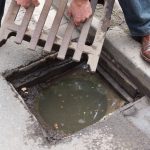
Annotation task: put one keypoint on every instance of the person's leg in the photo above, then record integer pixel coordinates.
(137, 15)
(2, 5)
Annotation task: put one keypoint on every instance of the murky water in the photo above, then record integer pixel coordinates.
(77, 100)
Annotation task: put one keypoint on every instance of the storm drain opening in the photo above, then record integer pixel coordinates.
(65, 97)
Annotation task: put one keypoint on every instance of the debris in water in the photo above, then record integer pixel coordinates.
(59, 95)
(114, 103)
(87, 96)
(95, 115)
(79, 87)
(56, 126)
(85, 67)
(23, 89)
(81, 121)
(62, 124)
(99, 105)
(99, 85)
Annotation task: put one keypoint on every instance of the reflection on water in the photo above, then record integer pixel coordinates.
(77, 100)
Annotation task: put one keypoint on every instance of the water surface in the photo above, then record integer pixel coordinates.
(77, 100)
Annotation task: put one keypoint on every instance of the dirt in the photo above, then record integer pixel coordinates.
(117, 17)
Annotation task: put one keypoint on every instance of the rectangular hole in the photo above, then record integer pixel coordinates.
(51, 74)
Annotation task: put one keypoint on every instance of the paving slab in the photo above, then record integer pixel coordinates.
(13, 56)
(19, 130)
(141, 116)
(127, 52)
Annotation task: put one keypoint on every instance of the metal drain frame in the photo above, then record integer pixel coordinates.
(9, 28)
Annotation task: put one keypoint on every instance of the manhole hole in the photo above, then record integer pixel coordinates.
(65, 97)
(76, 100)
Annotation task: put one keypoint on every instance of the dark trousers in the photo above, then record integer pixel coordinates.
(137, 14)
(2, 6)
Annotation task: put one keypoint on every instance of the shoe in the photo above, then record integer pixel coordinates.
(145, 51)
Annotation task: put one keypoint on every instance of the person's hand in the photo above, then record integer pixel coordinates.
(27, 3)
(80, 11)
